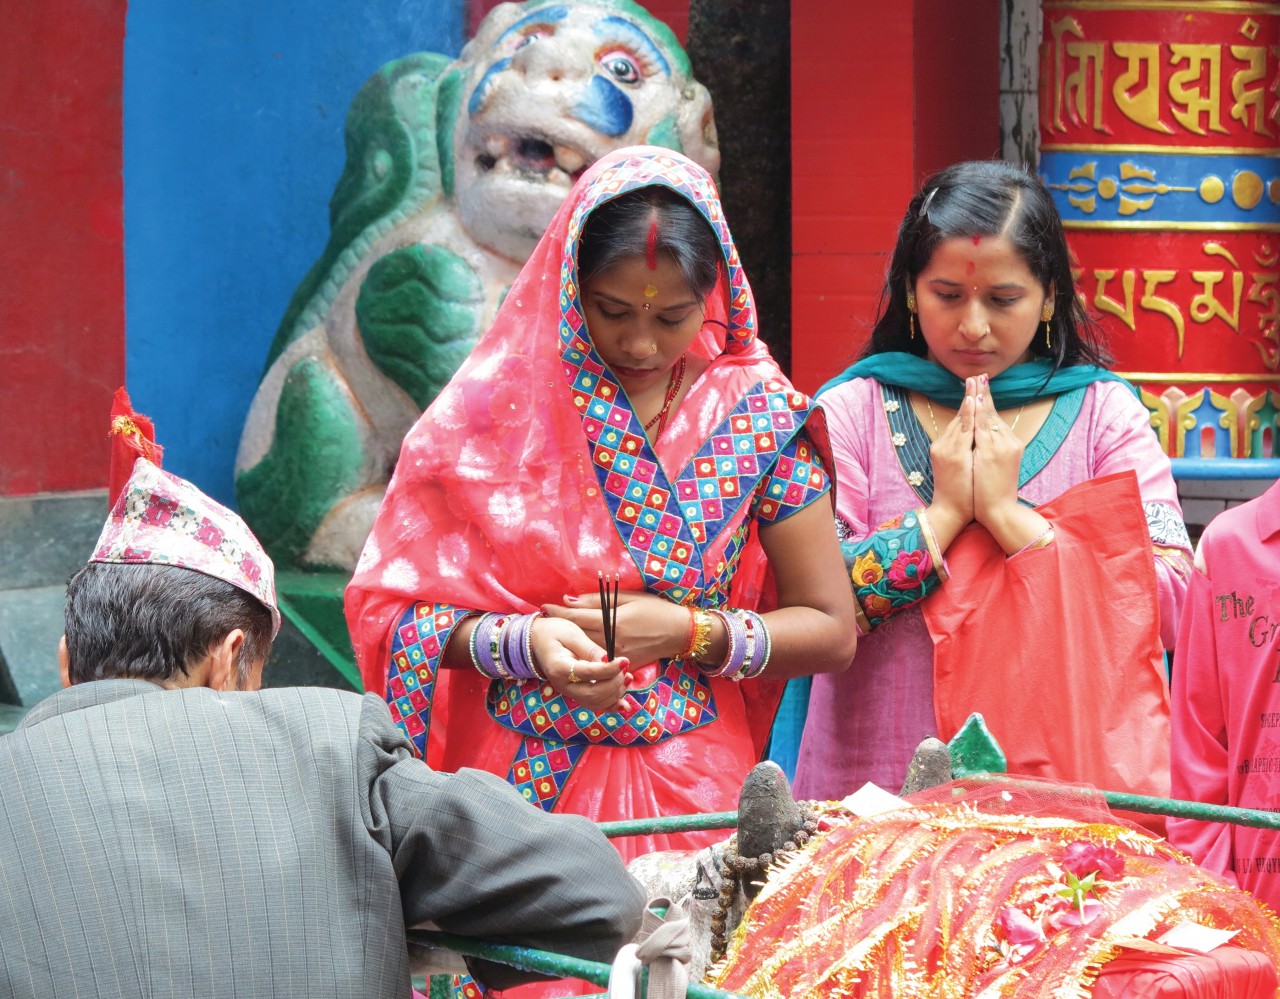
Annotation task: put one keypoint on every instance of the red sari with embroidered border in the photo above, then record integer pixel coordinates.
(528, 475)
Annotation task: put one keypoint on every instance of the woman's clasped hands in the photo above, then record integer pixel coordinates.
(976, 460)
(576, 664)
(645, 629)
(569, 644)
(649, 627)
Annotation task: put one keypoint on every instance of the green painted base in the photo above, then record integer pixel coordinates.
(974, 750)
(441, 987)
(319, 651)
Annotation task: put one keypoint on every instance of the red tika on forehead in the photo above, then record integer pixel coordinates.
(651, 246)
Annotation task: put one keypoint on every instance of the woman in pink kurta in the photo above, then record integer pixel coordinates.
(1226, 695)
(981, 395)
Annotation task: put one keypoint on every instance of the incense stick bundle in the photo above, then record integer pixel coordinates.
(609, 609)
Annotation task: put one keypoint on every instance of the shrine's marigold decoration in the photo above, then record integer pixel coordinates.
(1010, 889)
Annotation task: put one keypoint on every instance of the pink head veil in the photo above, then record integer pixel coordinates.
(495, 503)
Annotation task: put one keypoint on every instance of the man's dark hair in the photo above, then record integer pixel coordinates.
(153, 622)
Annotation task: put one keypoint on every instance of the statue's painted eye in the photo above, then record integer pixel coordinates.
(621, 66)
(530, 37)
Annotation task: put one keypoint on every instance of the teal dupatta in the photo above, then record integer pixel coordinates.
(1015, 386)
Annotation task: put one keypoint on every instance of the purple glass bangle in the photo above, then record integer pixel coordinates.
(505, 656)
(765, 640)
(495, 646)
(737, 645)
(759, 645)
(515, 646)
(482, 644)
(528, 648)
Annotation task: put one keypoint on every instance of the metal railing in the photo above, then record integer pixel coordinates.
(547, 963)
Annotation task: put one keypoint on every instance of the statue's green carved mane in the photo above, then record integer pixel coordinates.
(393, 168)
(448, 105)
(399, 142)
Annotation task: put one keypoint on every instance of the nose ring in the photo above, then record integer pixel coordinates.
(653, 349)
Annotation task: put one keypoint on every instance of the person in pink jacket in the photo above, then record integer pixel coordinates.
(1226, 695)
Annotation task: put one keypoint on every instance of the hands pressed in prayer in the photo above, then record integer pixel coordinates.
(997, 459)
(976, 459)
(952, 457)
(997, 463)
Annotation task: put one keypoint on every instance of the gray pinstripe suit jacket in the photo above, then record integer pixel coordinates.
(179, 843)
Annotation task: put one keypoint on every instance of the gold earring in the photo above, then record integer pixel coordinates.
(911, 313)
(1046, 315)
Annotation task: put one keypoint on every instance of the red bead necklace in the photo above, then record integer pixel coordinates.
(673, 389)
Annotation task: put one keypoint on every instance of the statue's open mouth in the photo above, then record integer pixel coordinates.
(532, 156)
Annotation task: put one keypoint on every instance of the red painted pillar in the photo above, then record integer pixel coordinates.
(62, 282)
(1169, 185)
(881, 96)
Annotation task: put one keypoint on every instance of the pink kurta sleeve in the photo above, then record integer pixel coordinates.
(1199, 756)
(895, 563)
(847, 416)
(1125, 441)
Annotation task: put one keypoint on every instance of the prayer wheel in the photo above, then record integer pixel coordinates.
(1160, 142)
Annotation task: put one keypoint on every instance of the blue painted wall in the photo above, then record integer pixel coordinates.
(233, 118)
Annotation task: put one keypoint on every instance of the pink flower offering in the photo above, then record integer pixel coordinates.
(1082, 858)
(1019, 929)
(1062, 918)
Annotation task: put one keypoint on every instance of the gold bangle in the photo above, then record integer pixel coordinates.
(1045, 540)
(699, 635)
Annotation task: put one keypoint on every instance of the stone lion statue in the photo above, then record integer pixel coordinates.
(453, 171)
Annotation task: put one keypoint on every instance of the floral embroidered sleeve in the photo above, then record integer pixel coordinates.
(1169, 536)
(798, 479)
(894, 568)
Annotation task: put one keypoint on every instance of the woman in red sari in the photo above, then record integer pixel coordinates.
(620, 416)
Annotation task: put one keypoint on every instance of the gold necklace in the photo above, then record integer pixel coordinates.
(934, 420)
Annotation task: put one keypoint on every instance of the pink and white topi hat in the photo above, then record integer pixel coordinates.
(160, 519)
